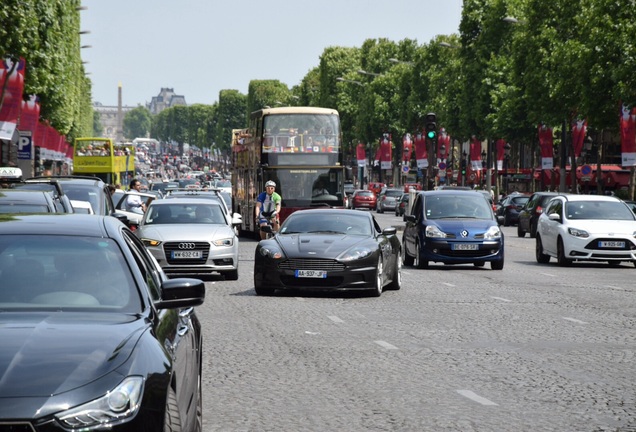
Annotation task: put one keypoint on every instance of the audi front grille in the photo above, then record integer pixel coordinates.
(169, 247)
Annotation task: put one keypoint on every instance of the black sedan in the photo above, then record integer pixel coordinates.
(329, 250)
(94, 336)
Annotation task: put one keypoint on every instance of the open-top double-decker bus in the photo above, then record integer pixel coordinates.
(101, 157)
(299, 148)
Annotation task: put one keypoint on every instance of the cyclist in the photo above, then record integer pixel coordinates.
(268, 207)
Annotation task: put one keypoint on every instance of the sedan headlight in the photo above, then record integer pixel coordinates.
(271, 252)
(578, 233)
(117, 406)
(356, 253)
(493, 233)
(150, 242)
(223, 242)
(434, 232)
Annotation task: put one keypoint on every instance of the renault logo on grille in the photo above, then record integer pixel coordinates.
(186, 246)
(464, 233)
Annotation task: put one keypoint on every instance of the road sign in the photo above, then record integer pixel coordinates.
(586, 170)
(442, 165)
(405, 169)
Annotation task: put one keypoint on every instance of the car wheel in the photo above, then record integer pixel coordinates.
(396, 283)
(231, 275)
(497, 265)
(614, 263)
(379, 276)
(540, 256)
(533, 230)
(561, 259)
(198, 421)
(407, 259)
(419, 263)
(520, 231)
(172, 421)
(506, 220)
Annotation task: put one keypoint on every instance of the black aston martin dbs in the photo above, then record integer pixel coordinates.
(329, 250)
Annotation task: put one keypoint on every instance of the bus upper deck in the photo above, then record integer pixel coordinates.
(102, 157)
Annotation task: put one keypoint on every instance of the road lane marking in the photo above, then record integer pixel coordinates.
(475, 397)
(312, 333)
(335, 319)
(616, 288)
(548, 274)
(574, 320)
(386, 345)
(501, 298)
(448, 284)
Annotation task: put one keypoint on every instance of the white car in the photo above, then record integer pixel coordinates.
(191, 237)
(586, 228)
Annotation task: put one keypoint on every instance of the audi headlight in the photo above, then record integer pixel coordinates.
(493, 233)
(434, 232)
(224, 242)
(578, 233)
(150, 242)
(271, 252)
(355, 253)
(117, 406)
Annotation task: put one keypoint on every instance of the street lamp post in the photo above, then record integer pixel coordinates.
(341, 79)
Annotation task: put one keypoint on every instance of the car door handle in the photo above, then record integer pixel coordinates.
(182, 330)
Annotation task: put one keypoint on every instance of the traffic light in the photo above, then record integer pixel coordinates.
(430, 127)
(463, 167)
(37, 157)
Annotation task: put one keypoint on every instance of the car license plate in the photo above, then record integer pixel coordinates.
(465, 246)
(186, 254)
(611, 244)
(320, 274)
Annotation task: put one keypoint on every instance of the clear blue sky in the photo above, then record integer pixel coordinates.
(199, 47)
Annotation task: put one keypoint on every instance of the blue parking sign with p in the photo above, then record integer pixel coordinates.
(24, 146)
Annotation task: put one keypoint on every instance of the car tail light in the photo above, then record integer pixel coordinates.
(538, 210)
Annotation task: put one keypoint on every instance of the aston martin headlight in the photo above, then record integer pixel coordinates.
(493, 233)
(271, 252)
(150, 242)
(434, 232)
(224, 242)
(578, 233)
(355, 253)
(117, 406)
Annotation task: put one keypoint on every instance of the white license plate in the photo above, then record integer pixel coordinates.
(186, 254)
(611, 244)
(320, 274)
(465, 246)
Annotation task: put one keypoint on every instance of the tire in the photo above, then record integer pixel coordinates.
(172, 420)
(231, 275)
(379, 274)
(407, 259)
(198, 421)
(539, 255)
(506, 220)
(396, 283)
(561, 259)
(533, 230)
(418, 257)
(614, 263)
(264, 291)
(497, 265)
(520, 232)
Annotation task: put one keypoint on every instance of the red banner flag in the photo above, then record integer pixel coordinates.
(579, 130)
(361, 154)
(12, 77)
(546, 143)
(407, 148)
(475, 153)
(421, 152)
(443, 144)
(385, 153)
(628, 136)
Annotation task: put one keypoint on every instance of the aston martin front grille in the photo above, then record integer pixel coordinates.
(311, 264)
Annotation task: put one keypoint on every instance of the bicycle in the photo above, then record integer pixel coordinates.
(265, 223)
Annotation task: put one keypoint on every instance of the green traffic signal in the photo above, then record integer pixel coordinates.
(431, 134)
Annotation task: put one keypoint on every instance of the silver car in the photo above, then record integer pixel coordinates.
(191, 237)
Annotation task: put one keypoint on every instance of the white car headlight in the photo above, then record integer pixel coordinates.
(578, 233)
(223, 242)
(434, 232)
(116, 407)
(493, 233)
(355, 253)
(150, 242)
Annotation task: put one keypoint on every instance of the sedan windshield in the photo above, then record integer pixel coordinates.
(603, 210)
(457, 206)
(65, 273)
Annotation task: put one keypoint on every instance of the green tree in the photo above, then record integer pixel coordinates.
(231, 115)
(98, 128)
(137, 123)
(262, 93)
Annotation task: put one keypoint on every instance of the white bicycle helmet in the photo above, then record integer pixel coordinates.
(270, 183)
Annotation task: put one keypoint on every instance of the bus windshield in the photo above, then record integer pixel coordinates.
(301, 133)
